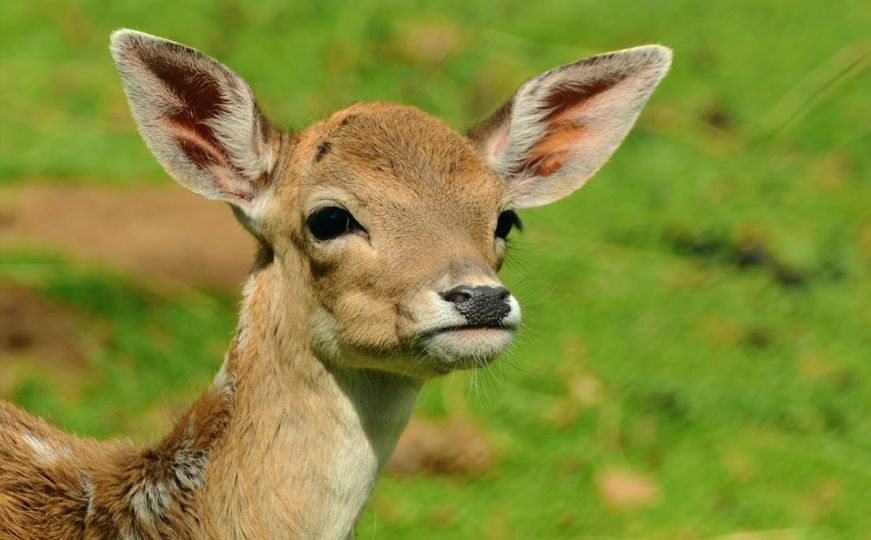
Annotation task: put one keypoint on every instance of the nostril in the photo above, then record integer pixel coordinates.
(458, 295)
(480, 305)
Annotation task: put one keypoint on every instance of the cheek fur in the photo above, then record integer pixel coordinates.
(366, 322)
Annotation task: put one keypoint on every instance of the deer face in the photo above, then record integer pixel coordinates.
(397, 216)
(393, 224)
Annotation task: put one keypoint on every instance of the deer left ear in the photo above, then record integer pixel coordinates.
(562, 125)
(198, 118)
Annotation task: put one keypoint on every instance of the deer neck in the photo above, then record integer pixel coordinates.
(306, 439)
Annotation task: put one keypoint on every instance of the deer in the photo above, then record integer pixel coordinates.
(380, 234)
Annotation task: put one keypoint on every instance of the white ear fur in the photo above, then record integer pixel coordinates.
(196, 116)
(562, 125)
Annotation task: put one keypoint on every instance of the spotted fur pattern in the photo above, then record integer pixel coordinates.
(53, 485)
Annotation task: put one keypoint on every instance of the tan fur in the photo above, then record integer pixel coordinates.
(335, 336)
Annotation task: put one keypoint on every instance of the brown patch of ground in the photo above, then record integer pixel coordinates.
(624, 489)
(453, 448)
(37, 336)
(155, 232)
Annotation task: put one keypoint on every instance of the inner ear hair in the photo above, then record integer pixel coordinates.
(562, 125)
(197, 117)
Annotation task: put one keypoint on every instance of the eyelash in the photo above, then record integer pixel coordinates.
(331, 222)
(508, 220)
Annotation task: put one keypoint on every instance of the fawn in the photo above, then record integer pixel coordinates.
(380, 231)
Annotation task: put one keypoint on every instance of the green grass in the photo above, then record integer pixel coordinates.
(713, 278)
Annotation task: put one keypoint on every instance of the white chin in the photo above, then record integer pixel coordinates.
(468, 348)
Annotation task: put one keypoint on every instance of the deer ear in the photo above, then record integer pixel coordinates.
(197, 117)
(562, 125)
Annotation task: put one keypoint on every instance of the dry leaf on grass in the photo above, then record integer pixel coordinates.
(451, 448)
(624, 489)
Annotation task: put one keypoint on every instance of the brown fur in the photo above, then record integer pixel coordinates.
(88, 489)
(335, 336)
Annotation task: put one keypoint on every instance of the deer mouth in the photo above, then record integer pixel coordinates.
(460, 329)
(468, 346)
(473, 327)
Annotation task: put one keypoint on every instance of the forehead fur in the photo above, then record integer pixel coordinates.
(404, 146)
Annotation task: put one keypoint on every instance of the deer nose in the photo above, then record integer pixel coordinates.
(481, 305)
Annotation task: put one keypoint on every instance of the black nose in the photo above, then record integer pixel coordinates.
(481, 306)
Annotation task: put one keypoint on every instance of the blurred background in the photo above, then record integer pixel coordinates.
(696, 362)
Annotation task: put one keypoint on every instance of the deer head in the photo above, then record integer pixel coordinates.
(388, 226)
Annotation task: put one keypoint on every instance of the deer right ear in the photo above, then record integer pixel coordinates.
(196, 116)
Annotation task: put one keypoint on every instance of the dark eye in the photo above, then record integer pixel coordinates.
(507, 220)
(330, 222)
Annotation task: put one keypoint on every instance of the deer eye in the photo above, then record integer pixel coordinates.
(507, 220)
(329, 222)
